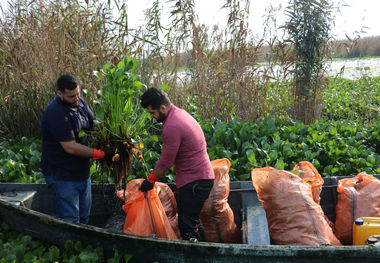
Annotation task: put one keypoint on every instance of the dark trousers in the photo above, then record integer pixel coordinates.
(190, 200)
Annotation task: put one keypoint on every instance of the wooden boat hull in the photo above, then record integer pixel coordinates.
(39, 222)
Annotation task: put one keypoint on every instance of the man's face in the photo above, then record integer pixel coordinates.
(70, 97)
(157, 114)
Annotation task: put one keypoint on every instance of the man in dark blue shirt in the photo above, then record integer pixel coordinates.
(65, 160)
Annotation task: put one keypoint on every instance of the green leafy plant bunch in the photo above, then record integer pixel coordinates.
(121, 121)
(19, 161)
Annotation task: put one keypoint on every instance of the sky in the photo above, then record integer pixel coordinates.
(352, 18)
(356, 16)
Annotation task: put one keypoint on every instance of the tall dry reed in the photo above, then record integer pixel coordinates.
(216, 73)
(44, 39)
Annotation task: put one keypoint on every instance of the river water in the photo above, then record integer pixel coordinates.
(355, 68)
(345, 68)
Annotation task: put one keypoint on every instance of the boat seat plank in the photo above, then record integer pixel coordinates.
(21, 198)
(255, 226)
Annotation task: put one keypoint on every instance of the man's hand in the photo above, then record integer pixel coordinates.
(149, 182)
(146, 186)
(105, 153)
(108, 154)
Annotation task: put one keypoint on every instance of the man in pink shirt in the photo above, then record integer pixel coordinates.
(184, 146)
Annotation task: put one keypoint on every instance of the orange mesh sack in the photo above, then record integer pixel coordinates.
(217, 216)
(145, 214)
(358, 196)
(310, 175)
(167, 199)
(294, 218)
(169, 203)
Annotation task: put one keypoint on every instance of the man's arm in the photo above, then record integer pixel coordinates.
(80, 150)
(77, 149)
(159, 173)
(171, 140)
(170, 146)
(155, 175)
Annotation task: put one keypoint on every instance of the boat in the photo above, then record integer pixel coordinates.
(29, 209)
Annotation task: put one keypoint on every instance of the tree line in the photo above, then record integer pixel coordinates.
(360, 47)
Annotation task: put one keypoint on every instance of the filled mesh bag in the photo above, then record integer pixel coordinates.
(294, 218)
(358, 196)
(310, 175)
(217, 216)
(167, 199)
(169, 203)
(145, 215)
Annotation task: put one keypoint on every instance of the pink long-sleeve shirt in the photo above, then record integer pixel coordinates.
(184, 145)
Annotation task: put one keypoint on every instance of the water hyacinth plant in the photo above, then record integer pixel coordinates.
(120, 118)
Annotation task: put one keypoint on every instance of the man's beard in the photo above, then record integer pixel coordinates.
(69, 104)
(161, 116)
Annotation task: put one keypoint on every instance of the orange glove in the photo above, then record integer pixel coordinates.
(105, 153)
(97, 154)
(148, 183)
(152, 178)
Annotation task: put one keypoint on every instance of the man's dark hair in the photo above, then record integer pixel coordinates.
(66, 81)
(155, 98)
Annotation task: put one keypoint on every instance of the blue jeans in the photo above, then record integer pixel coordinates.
(72, 199)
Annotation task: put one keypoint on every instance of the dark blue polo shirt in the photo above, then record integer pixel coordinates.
(61, 123)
